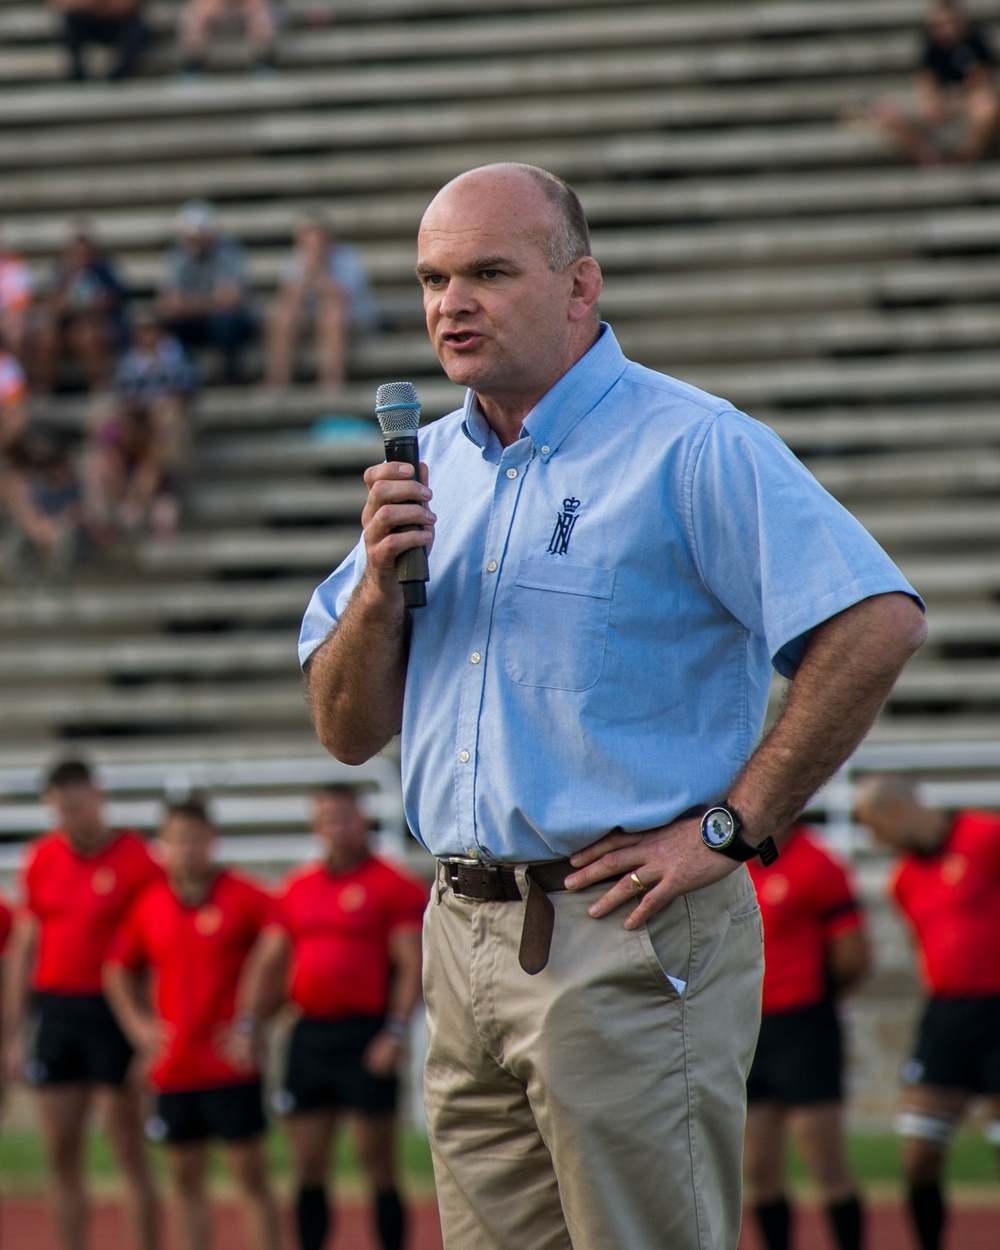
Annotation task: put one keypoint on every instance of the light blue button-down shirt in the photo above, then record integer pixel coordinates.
(607, 597)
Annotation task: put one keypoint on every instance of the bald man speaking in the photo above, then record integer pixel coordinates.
(618, 562)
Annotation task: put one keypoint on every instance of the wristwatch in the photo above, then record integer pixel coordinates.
(722, 831)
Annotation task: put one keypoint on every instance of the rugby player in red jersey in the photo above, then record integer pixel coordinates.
(815, 948)
(350, 929)
(193, 931)
(6, 923)
(78, 881)
(947, 884)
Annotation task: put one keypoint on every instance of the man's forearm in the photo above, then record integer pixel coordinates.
(16, 980)
(849, 668)
(355, 678)
(122, 996)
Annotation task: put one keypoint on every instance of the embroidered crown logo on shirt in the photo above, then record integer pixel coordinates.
(565, 520)
(104, 880)
(208, 920)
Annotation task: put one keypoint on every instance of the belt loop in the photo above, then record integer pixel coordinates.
(439, 875)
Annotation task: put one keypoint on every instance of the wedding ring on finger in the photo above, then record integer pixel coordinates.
(634, 878)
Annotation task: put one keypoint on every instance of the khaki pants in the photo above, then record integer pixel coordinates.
(593, 1106)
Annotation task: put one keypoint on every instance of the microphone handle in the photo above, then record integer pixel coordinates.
(411, 566)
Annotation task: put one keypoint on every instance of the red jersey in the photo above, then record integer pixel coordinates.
(196, 955)
(340, 925)
(806, 901)
(6, 920)
(952, 901)
(79, 901)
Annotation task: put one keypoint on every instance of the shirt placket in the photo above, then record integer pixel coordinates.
(468, 740)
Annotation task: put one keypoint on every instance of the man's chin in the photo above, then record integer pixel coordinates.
(462, 370)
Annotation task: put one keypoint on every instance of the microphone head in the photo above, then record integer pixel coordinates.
(397, 408)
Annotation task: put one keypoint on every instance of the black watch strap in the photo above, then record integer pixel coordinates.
(738, 847)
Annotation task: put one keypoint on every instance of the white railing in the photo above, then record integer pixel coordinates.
(262, 793)
(931, 761)
(274, 793)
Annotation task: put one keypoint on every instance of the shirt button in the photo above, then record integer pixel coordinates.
(472, 853)
(464, 757)
(475, 657)
(491, 567)
(546, 450)
(512, 473)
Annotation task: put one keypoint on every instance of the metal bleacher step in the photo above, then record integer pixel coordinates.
(117, 659)
(169, 605)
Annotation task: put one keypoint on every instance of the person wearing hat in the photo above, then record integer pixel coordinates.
(204, 296)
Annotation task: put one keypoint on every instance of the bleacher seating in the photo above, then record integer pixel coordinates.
(755, 241)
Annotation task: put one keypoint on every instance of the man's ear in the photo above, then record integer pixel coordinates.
(586, 290)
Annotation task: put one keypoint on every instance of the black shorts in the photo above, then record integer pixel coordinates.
(958, 1045)
(799, 1058)
(325, 1069)
(230, 1112)
(76, 1038)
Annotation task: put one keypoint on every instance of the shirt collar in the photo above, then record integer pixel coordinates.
(560, 409)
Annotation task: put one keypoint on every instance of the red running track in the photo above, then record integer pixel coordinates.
(25, 1225)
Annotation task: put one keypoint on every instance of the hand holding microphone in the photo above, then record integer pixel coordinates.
(398, 411)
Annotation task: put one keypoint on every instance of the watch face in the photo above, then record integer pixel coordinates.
(718, 827)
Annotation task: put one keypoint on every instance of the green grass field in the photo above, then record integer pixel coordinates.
(22, 1164)
(973, 1163)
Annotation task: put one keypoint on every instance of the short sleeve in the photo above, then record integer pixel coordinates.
(6, 923)
(147, 870)
(172, 265)
(127, 947)
(839, 910)
(28, 889)
(265, 911)
(328, 602)
(408, 903)
(777, 550)
(988, 839)
(280, 910)
(231, 266)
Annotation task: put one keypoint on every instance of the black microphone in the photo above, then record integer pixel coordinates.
(398, 411)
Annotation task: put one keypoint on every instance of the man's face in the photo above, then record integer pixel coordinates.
(497, 315)
(892, 821)
(187, 845)
(197, 242)
(946, 25)
(79, 809)
(147, 335)
(341, 827)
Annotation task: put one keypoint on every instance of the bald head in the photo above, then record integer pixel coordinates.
(561, 224)
(510, 287)
(888, 804)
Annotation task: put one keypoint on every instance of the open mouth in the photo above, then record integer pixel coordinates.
(461, 338)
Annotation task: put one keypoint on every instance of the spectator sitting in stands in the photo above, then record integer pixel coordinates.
(201, 18)
(116, 23)
(156, 374)
(131, 472)
(957, 107)
(13, 397)
(324, 282)
(84, 314)
(16, 295)
(43, 499)
(204, 297)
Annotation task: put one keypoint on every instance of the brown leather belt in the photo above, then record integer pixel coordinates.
(497, 883)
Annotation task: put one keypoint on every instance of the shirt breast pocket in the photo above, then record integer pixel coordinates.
(558, 624)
